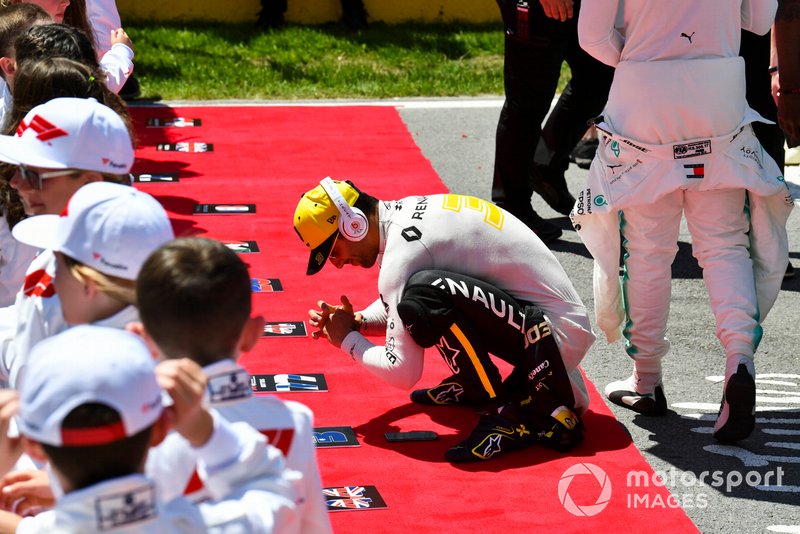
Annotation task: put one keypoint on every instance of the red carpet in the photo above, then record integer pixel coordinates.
(268, 156)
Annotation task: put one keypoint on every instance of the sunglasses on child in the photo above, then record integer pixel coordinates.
(34, 178)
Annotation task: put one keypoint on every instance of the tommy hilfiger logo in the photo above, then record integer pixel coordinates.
(695, 170)
(45, 130)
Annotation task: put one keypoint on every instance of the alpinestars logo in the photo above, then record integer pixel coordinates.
(449, 354)
(492, 448)
(45, 130)
(450, 395)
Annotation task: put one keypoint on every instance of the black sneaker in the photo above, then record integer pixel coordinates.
(624, 393)
(789, 272)
(553, 189)
(583, 153)
(737, 412)
(494, 435)
(546, 231)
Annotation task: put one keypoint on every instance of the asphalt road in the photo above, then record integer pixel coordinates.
(457, 136)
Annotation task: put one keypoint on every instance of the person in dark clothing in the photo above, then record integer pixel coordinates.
(539, 37)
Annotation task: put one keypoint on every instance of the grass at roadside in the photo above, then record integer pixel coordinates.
(236, 61)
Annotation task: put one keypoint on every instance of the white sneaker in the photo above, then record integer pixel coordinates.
(737, 412)
(630, 394)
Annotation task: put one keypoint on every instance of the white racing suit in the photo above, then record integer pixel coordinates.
(736, 204)
(474, 238)
(677, 139)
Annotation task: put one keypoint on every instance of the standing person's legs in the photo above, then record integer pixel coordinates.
(755, 50)
(354, 16)
(271, 14)
(531, 70)
(583, 99)
(719, 225)
(650, 237)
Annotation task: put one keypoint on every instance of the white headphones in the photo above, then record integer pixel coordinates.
(353, 224)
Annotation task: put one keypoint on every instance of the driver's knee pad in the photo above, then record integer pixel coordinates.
(425, 310)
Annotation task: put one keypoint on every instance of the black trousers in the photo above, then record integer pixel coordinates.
(755, 51)
(531, 70)
(467, 320)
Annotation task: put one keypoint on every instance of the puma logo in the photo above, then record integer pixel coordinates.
(688, 36)
(612, 167)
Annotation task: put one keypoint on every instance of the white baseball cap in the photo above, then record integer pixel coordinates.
(71, 133)
(88, 364)
(109, 227)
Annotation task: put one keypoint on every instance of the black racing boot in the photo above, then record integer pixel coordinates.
(449, 392)
(494, 435)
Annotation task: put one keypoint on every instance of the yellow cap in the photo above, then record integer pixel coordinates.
(316, 221)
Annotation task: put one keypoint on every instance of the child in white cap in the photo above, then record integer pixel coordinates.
(195, 301)
(100, 240)
(92, 407)
(59, 147)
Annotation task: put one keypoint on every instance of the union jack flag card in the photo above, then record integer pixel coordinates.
(335, 436)
(340, 499)
(173, 122)
(265, 285)
(287, 383)
(285, 329)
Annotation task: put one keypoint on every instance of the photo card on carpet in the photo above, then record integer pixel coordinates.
(265, 285)
(345, 498)
(328, 437)
(173, 122)
(241, 247)
(184, 146)
(155, 178)
(285, 329)
(285, 383)
(223, 209)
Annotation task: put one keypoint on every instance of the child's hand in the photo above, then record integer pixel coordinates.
(185, 383)
(119, 36)
(23, 492)
(10, 447)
